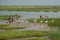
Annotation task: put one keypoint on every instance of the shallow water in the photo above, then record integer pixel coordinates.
(2, 30)
(3, 21)
(26, 15)
(32, 26)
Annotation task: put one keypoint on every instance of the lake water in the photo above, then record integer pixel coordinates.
(26, 15)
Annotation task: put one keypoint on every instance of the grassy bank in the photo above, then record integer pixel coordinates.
(36, 38)
(8, 27)
(54, 36)
(51, 21)
(31, 8)
(5, 17)
(21, 34)
(56, 22)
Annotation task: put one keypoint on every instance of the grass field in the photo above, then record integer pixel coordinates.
(29, 34)
(22, 34)
(30, 8)
(38, 38)
(6, 17)
(9, 35)
(54, 35)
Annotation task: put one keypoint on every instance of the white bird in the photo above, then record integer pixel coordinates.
(46, 21)
(52, 21)
(41, 21)
(26, 21)
(35, 20)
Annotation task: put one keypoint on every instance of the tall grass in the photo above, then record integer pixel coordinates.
(54, 35)
(36, 38)
(22, 34)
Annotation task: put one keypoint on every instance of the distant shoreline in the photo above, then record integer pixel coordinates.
(30, 8)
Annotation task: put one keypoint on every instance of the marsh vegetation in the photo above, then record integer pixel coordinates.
(10, 34)
(6, 17)
(30, 8)
(50, 21)
(22, 34)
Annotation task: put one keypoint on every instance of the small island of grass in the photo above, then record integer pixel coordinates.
(6, 17)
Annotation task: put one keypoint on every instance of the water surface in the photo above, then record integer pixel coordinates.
(26, 15)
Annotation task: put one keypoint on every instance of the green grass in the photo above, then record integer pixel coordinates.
(9, 27)
(56, 22)
(4, 25)
(5, 17)
(12, 27)
(22, 34)
(54, 36)
(37, 39)
(31, 8)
